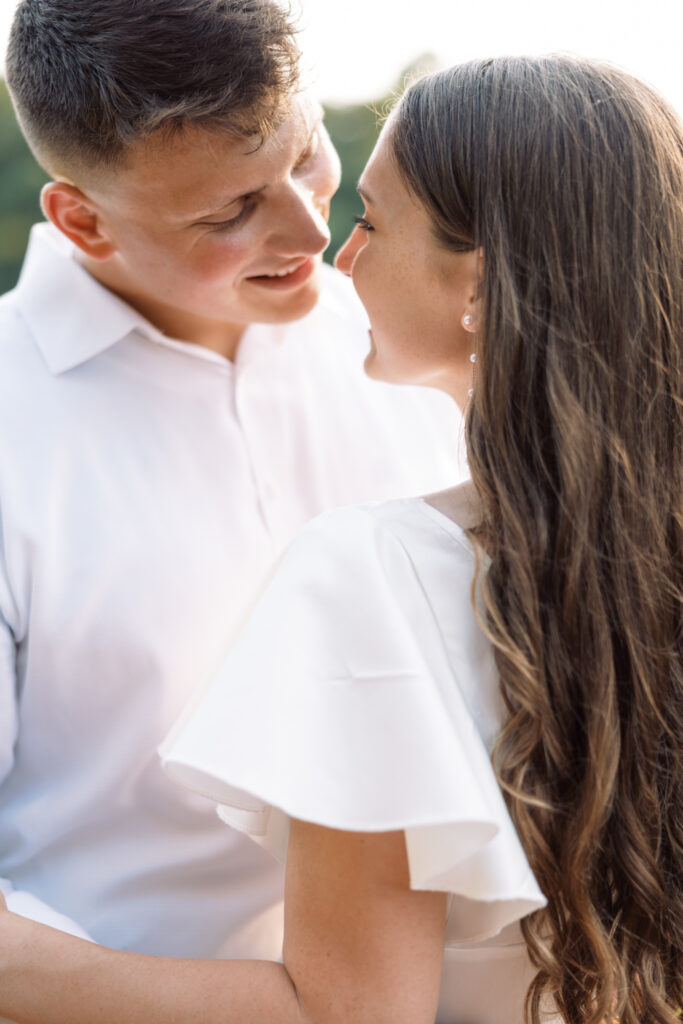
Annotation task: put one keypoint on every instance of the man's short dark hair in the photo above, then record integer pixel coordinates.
(88, 77)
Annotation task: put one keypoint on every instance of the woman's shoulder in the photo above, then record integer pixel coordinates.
(460, 505)
(377, 534)
(383, 577)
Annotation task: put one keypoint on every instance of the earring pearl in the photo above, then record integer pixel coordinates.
(473, 357)
(467, 320)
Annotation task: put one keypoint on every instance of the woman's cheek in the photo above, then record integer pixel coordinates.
(367, 281)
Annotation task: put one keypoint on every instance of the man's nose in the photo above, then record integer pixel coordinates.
(302, 228)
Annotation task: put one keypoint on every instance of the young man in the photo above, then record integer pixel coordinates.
(181, 388)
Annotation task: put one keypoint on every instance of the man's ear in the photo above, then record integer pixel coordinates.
(77, 217)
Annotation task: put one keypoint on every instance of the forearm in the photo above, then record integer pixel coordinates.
(47, 977)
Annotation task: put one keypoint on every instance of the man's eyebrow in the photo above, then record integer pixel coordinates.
(364, 194)
(315, 127)
(193, 218)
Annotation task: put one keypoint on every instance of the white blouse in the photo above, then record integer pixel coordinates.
(362, 695)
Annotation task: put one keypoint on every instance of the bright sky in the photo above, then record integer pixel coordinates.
(359, 47)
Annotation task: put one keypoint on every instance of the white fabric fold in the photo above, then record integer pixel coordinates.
(347, 701)
(25, 904)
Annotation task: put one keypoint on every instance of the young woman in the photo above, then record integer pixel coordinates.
(521, 249)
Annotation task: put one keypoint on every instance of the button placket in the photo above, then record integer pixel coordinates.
(259, 448)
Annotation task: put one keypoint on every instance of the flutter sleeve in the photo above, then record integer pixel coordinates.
(330, 708)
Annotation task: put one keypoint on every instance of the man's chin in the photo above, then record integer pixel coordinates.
(285, 307)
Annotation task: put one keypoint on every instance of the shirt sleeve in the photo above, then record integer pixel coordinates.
(25, 904)
(328, 710)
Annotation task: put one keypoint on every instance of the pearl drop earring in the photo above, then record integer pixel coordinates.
(473, 359)
(467, 320)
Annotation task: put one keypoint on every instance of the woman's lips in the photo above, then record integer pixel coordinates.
(292, 280)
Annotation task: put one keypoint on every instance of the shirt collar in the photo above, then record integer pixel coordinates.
(71, 316)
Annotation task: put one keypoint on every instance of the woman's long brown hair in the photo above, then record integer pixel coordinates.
(569, 176)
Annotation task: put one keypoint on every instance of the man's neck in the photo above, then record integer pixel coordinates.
(223, 338)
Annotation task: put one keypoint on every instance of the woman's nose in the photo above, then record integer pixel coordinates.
(344, 259)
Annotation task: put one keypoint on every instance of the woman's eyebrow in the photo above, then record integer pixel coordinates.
(364, 194)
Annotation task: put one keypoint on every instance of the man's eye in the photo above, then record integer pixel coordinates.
(309, 152)
(225, 225)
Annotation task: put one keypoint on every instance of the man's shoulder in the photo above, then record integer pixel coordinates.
(14, 333)
(18, 349)
(25, 378)
(8, 304)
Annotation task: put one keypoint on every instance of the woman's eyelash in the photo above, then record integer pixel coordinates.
(363, 224)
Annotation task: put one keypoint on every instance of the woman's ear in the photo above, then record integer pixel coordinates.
(77, 217)
(471, 316)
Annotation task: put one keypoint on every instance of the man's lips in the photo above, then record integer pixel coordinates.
(289, 279)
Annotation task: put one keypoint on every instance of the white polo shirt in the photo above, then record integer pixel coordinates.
(146, 488)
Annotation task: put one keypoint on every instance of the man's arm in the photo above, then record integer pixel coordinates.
(360, 948)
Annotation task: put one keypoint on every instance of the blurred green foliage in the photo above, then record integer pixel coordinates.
(353, 129)
(20, 182)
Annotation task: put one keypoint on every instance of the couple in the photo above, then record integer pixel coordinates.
(458, 717)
